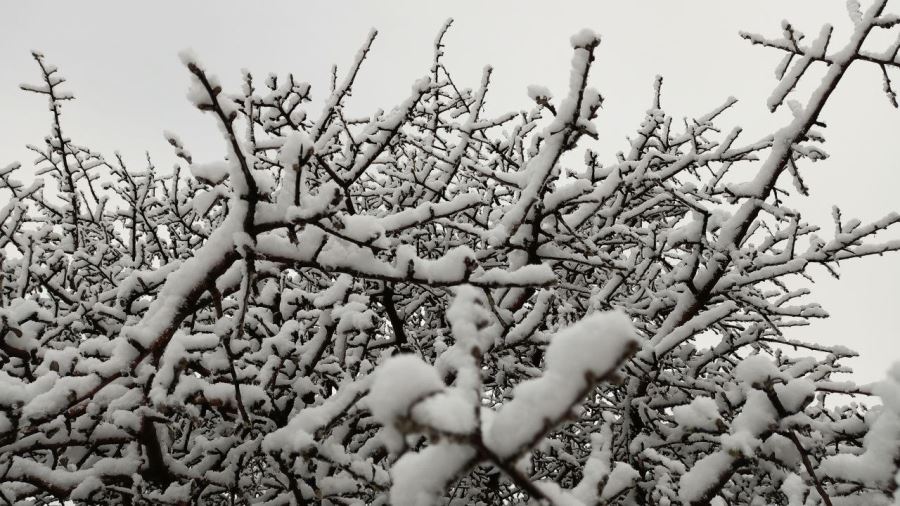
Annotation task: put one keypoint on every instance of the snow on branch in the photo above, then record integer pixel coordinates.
(434, 305)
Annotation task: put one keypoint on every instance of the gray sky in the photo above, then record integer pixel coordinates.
(120, 59)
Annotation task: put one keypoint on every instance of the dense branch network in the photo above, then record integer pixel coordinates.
(431, 305)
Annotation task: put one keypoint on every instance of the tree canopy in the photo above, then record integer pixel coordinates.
(431, 305)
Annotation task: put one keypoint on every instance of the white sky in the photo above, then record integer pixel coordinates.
(120, 59)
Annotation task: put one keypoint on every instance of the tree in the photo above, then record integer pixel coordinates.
(430, 305)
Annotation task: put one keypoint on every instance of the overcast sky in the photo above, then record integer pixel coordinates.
(120, 59)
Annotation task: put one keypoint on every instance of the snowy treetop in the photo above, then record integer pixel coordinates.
(431, 305)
